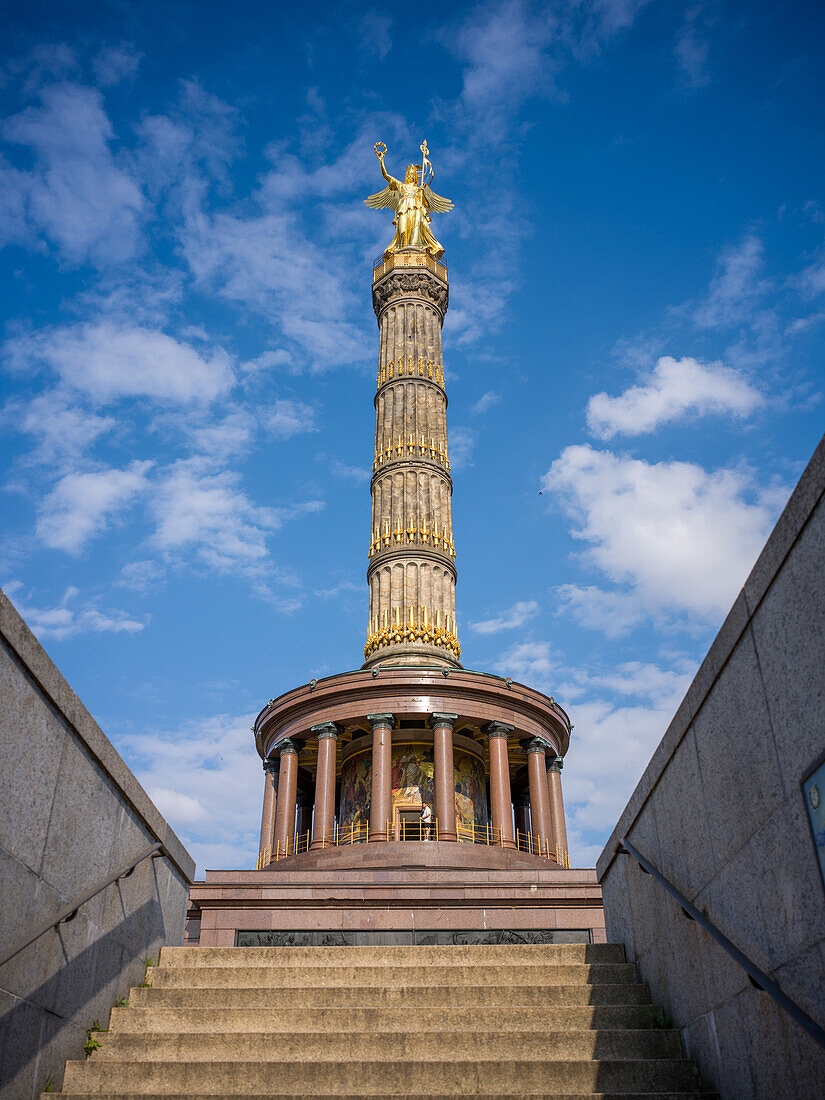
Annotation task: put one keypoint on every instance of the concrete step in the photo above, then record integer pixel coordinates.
(427, 977)
(356, 1046)
(458, 955)
(467, 997)
(410, 1096)
(134, 1020)
(537, 1077)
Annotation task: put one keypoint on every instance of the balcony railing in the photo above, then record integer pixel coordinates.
(403, 831)
(414, 258)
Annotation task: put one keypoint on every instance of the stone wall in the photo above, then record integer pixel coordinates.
(71, 812)
(720, 812)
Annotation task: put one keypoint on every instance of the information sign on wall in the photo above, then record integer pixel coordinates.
(813, 789)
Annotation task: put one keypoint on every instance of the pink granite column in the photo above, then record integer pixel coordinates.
(381, 791)
(444, 774)
(502, 806)
(287, 794)
(539, 797)
(324, 820)
(557, 806)
(268, 812)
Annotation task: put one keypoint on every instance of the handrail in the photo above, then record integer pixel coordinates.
(758, 977)
(69, 911)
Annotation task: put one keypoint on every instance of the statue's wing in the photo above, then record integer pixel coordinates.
(437, 202)
(388, 198)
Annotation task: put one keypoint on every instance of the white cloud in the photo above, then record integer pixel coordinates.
(675, 388)
(683, 538)
(375, 34)
(285, 418)
(63, 429)
(81, 505)
(735, 288)
(486, 401)
(187, 772)
(66, 621)
(206, 512)
(141, 576)
(514, 616)
(692, 49)
(612, 612)
(619, 716)
(76, 195)
(358, 474)
(109, 361)
(512, 52)
(461, 445)
(116, 63)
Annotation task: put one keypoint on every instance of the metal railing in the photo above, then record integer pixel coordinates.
(532, 842)
(409, 831)
(302, 842)
(382, 264)
(524, 842)
(412, 831)
(479, 834)
(758, 978)
(69, 911)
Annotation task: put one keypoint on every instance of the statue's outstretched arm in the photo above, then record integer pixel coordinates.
(391, 180)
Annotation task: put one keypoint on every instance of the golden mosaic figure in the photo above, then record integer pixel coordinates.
(412, 200)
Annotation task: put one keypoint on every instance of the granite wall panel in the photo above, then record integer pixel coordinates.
(71, 813)
(720, 812)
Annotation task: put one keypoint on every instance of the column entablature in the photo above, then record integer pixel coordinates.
(481, 701)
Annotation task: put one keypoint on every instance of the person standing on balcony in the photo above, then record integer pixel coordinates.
(426, 822)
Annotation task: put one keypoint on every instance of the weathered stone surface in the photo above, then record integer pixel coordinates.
(71, 813)
(721, 803)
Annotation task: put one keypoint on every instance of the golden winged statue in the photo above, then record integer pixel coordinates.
(412, 199)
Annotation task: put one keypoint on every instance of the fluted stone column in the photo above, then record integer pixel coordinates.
(444, 774)
(502, 806)
(411, 573)
(521, 808)
(324, 820)
(303, 817)
(557, 803)
(539, 796)
(381, 793)
(287, 794)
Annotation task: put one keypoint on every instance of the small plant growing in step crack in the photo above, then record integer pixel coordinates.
(658, 1020)
(121, 1002)
(49, 1086)
(147, 962)
(92, 1042)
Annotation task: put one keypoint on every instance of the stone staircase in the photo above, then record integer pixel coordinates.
(567, 1020)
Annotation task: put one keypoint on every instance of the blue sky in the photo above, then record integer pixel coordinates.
(634, 352)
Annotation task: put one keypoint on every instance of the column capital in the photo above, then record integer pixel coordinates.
(438, 718)
(498, 729)
(325, 729)
(288, 747)
(538, 744)
(555, 765)
(386, 719)
(271, 765)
